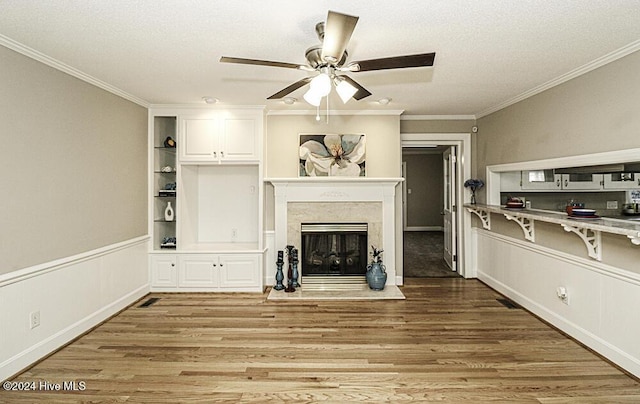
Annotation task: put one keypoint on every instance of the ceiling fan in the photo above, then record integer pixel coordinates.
(329, 60)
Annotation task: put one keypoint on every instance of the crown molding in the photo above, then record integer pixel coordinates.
(606, 59)
(282, 112)
(58, 65)
(216, 106)
(438, 118)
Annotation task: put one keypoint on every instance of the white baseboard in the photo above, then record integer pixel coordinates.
(72, 295)
(424, 228)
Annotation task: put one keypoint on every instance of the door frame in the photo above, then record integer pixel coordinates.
(465, 251)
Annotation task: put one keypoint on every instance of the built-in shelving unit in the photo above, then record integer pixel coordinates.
(164, 174)
(213, 179)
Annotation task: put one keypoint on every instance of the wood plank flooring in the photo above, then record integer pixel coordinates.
(449, 341)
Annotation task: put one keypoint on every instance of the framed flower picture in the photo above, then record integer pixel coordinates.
(332, 155)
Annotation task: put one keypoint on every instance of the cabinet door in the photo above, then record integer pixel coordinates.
(239, 139)
(510, 181)
(164, 273)
(622, 181)
(581, 182)
(240, 272)
(199, 271)
(541, 180)
(199, 139)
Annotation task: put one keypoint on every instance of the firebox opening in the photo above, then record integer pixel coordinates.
(334, 249)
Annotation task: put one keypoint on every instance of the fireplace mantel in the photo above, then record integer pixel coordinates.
(339, 189)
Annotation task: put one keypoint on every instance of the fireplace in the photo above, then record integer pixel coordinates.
(351, 201)
(333, 250)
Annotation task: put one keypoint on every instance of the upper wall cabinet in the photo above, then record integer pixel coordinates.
(548, 180)
(221, 137)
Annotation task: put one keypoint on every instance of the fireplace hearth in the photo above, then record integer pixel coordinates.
(331, 250)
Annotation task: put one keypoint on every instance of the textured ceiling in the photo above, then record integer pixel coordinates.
(167, 52)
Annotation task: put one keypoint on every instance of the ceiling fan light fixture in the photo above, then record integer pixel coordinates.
(312, 97)
(344, 89)
(321, 85)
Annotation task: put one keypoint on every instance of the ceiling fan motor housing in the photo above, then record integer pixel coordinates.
(314, 57)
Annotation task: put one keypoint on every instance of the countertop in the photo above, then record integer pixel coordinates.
(630, 228)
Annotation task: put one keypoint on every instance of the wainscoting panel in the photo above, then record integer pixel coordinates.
(601, 309)
(72, 295)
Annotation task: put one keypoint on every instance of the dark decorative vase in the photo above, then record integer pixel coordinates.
(376, 276)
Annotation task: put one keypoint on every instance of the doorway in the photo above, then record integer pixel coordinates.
(428, 218)
(426, 238)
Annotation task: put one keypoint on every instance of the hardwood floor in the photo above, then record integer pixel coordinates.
(449, 341)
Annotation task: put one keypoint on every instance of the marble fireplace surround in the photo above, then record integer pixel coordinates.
(338, 200)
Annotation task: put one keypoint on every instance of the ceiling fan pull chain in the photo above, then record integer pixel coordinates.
(318, 112)
(327, 108)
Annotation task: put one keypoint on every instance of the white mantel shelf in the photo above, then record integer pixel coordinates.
(341, 180)
(589, 230)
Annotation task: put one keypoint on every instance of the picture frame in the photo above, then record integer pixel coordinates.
(332, 155)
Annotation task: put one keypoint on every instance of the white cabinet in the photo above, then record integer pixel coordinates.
(541, 180)
(547, 180)
(582, 182)
(199, 271)
(219, 272)
(219, 138)
(213, 178)
(163, 272)
(199, 139)
(240, 271)
(622, 181)
(510, 181)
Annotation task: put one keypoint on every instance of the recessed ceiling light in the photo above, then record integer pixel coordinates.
(289, 100)
(384, 101)
(210, 100)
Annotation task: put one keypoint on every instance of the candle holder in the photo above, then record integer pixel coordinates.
(279, 273)
(290, 284)
(294, 261)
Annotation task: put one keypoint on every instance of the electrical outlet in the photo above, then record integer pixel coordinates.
(234, 234)
(612, 204)
(34, 319)
(563, 294)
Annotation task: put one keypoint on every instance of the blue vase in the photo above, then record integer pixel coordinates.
(376, 276)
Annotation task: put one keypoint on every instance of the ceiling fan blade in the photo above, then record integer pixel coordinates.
(397, 62)
(242, 61)
(361, 93)
(293, 87)
(337, 32)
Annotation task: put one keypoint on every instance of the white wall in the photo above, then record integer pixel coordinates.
(603, 300)
(72, 295)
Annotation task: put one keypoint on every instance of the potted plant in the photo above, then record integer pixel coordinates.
(376, 271)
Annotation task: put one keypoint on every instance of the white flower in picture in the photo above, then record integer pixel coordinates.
(332, 155)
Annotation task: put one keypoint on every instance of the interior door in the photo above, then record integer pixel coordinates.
(449, 209)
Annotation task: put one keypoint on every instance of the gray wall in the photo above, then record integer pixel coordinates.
(593, 113)
(74, 165)
(424, 177)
